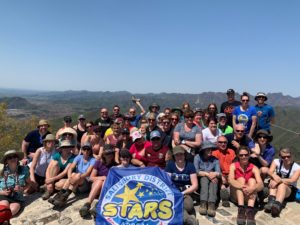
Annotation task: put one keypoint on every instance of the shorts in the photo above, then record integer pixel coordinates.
(85, 187)
(292, 196)
(10, 199)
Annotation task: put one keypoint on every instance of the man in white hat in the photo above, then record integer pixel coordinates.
(265, 112)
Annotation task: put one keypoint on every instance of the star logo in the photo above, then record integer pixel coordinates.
(129, 194)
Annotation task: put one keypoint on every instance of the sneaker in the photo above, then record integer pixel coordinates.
(276, 209)
(46, 195)
(268, 206)
(84, 211)
(250, 216)
(203, 208)
(241, 217)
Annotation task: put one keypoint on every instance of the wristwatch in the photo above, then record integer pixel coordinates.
(183, 142)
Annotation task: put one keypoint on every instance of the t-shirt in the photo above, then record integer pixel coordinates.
(180, 178)
(227, 108)
(103, 125)
(62, 166)
(135, 120)
(136, 149)
(183, 135)
(102, 169)
(267, 112)
(285, 171)
(243, 142)
(268, 154)
(35, 140)
(208, 136)
(156, 157)
(244, 117)
(225, 159)
(81, 165)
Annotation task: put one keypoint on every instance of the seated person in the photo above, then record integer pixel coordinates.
(225, 156)
(137, 149)
(284, 173)
(245, 181)
(208, 169)
(41, 160)
(78, 175)
(183, 175)
(125, 159)
(13, 179)
(56, 172)
(98, 176)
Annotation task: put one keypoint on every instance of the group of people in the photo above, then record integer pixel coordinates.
(226, 156)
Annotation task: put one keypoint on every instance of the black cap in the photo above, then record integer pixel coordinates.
(68, 119)
(125, 131)
(230, 91)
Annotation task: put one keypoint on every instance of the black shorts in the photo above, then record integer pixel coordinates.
(292, 196)
(9, 199)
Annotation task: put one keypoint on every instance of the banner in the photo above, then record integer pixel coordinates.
(139, 196)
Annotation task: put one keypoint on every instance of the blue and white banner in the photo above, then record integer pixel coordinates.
(139, 196)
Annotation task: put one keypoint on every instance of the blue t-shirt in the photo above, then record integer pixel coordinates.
(35, 140)
(180, 178)
(267, 112)
(244, 117)
(135, 120)
(81, 166)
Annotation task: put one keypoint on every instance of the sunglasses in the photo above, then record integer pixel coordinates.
(151, 119)
(166, 123)
(175, 119)
(189, 117)
(86, 149)
(82, 119)
(155, 139)
(263, 137)
(11, 157)
(243, 155)
(285, 157)
(244, 100)
(222, 142)
(239, 131)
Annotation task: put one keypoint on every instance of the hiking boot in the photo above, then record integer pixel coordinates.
(191, 220)
(250, 214)
(203, 208)
(211, 211)
(46, 195)
(276, 209)
(62, 199)
(268, 206)
(84, 211)
(224, 195)
(241, 217)
(57, 196)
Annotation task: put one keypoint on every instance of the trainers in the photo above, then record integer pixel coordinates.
(224, 195)
(250, 216)
(84, 211)
(268, 206)
(276, 209)
(241, 217)
(211, 211)
(203, 208)
(46, 195)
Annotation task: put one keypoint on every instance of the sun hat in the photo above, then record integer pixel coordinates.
(261, 94)
(43, 122)
(178, 149)
(10, 153)
(66, 143)
(68, 130)
(49, 137)
(265, 133)
(177, 110)
(154, 105)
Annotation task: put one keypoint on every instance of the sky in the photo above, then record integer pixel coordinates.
(154, 46)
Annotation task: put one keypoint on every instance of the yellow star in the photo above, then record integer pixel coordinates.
(141, 194)
(128, 195)
(139, 185)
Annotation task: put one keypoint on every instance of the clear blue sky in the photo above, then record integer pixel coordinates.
(151, 45)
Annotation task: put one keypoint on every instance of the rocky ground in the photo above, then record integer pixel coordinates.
(41, 212)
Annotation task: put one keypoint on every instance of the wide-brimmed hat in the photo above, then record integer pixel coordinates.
(49, 137)
(43, 122)
(10, 153)
(154, 105)
(261, 94)
(178, 149)
(177, 110)
(66, 143)
(265, 133)
(207, 145)
(68, 130)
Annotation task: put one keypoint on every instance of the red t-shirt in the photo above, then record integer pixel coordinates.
(138, 150)
(156, 158)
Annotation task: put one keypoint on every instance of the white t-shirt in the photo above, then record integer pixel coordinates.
(285, 171)
(208, 136)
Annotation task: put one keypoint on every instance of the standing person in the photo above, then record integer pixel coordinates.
(188, 135)
(103, 121)
(34, 140)
(153, 109)
(246, 115)
(245, 181)
(265, 112)
(132, 111)
(116, 113)
(225, 156)
(13, 179)
(41, 160)
(212, 109)
(80, 128)
(184, 176)
(208, 169)
(228, 106)
(284, 173)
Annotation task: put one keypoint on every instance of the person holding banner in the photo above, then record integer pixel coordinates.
(184, 176)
